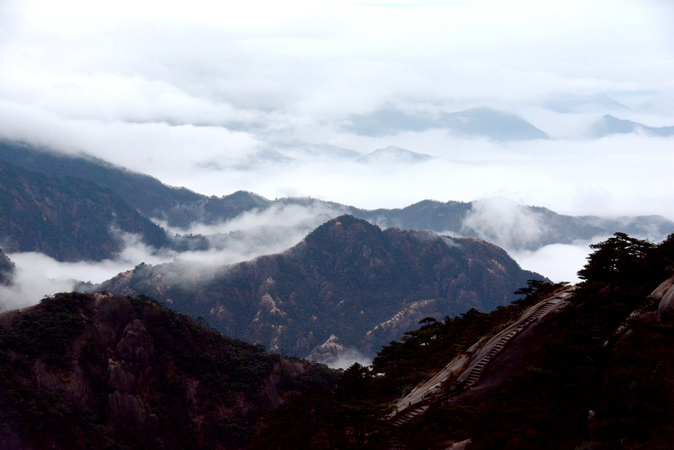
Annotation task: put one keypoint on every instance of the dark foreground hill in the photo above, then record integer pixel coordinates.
(596, 371)
(67, 218)
(348, 284)
(81, 371)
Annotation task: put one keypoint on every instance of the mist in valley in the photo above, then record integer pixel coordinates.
(486, 101)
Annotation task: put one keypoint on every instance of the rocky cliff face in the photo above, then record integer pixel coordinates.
(104, 371)
(346, 278)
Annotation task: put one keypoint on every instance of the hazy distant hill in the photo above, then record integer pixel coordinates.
(66, 218)
(612, 125)
(497, 125)
(345, 279)
(577, 103)
(476, 122)
(393, 155)
(303, 150)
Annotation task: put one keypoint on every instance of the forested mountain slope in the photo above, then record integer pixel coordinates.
(100, 371)
(67, 218)
(6, 269)
(348, 280)
(179, 207)
(597, 373)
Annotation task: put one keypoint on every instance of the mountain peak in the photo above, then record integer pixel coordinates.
(341, 231)
(393, 155)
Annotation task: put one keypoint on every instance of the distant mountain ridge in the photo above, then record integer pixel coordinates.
(66, 218)
(346, 279)
(494, 124)
(609, 124)
(554, 228)
(182, 208)
(475, 122)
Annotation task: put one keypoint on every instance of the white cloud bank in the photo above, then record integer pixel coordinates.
(348, 358)
(202, 94)
(503, 223)
(37, 275)
(558, 262)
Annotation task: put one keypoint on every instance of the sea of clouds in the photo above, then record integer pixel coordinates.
(270, 97)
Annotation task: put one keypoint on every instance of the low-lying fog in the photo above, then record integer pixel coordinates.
(278, 228)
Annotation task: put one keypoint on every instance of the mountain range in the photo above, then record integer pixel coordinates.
(347, 285)
(580, 367)
(563, 367)
(181, 208)
(81, 208)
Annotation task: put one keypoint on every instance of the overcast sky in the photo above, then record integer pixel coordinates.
(216, 96)
(281, 98)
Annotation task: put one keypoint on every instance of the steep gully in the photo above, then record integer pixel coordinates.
(468, 367)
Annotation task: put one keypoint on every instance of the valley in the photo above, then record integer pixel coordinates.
(445, 328)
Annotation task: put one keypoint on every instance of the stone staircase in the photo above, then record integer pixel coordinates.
(473, 375)
(410, 414)
(474, 371)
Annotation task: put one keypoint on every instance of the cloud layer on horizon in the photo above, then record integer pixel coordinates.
(210, 96)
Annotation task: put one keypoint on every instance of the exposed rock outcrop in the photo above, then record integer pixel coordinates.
(328, 351)
(665, 294)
